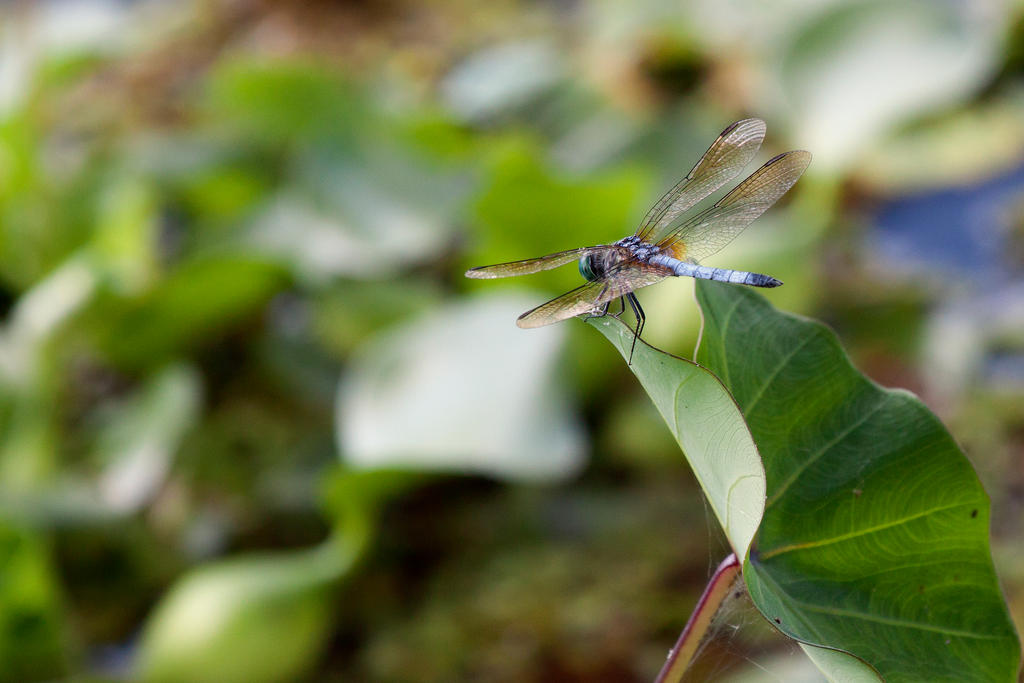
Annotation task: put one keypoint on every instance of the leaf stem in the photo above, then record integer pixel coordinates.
(681, 656)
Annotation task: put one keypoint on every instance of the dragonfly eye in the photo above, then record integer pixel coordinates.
(587, 268)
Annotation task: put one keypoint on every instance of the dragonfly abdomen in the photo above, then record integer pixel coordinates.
(739, 277)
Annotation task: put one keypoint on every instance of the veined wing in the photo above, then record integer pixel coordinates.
(712, 229)
(532, 265)
(593, 295)
(725, 158)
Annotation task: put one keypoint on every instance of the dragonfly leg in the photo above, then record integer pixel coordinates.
(638, 312)
(622, 307)
(603, 312)
(603, 309)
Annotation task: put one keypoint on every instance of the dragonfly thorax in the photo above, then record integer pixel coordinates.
(641, 250)
(596, 265)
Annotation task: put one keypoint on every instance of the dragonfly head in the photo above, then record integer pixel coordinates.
(590, 268)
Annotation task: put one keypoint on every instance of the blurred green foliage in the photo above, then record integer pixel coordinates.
(211, 212)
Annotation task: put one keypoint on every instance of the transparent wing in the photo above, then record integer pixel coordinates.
(712, 229)
(725, 158)
(532, 265)
(593, 295)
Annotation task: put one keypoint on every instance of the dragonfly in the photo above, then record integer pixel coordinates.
(669, 242)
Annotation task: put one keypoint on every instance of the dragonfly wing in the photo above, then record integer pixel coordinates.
(591, 296)
(725, 158)
(712, 229)
(531, 265)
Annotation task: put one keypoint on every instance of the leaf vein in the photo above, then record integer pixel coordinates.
(675, 404)
(774, 373)
(822, 451)
(890, 621)
(860, 532)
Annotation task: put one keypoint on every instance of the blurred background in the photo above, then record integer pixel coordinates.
(255, 425)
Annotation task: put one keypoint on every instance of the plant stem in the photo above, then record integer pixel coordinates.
(681, 656)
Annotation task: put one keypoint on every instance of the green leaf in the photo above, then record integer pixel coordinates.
(933, 55)
(140, 435)
(708, 427)
(500, 78)
(284, 100)
(126, 236)
(201, 300)
(266, 617)
(434, 394)
(33, 642)
(875, 532)
(255, 618)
